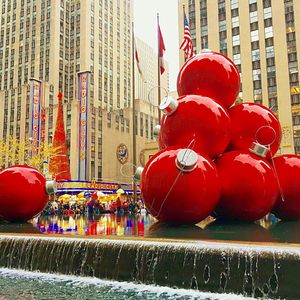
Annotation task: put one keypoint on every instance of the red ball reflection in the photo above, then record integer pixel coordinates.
(22, 193)
(198, 123)
(210, 74)
(251, 122)
(248, 186)
(176, 197)
(287, 206)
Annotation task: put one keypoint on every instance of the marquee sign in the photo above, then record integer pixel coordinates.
(70, 186)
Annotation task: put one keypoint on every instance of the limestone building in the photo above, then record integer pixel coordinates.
(83, 49)
(263, 39)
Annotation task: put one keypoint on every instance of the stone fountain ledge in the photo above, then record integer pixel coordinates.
(259, 270)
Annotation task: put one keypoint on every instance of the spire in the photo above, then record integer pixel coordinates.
(59, 165)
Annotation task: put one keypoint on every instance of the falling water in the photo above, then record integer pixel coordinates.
(206, 266)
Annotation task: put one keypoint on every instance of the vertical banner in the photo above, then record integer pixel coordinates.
(35, 114)
(83, 96)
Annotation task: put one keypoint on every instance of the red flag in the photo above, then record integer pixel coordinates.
(138, 61)
(161, 50)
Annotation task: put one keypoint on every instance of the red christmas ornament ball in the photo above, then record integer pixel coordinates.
(210, 74)
(174, 196)
(287, 168)
(251, 122)
(198, 123)
(22, 193)
(248, 186)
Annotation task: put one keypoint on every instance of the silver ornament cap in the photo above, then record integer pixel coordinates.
(156, 131)
(259, 149)
(138, 173)
(186, 160)
(168, 105)
(51, 187)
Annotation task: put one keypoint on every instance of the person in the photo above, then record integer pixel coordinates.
(143, 211)
(118, 205)
(89, 204)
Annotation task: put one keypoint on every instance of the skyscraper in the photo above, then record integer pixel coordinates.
(263, 39)
(80, 48)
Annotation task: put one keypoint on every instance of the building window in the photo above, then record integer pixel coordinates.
(253, 7)
(273, 105)
(254, 26)
(255, 45)
(254, 36)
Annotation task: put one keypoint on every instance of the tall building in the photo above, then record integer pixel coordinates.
(82, 48)
(262, 37)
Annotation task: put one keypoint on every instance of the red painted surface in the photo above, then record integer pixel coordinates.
(248, 186)
(287, 206)
(59, 165)
(198, 123)
(210, 74)
(22, 193)
(252, 122)
(176, 197)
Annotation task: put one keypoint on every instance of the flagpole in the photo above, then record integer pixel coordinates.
(183, 8)
(133, 116)
(158, 70)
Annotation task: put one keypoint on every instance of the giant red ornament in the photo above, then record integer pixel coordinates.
(251, 122)
(198, 123)
(175, 196)
(210, 74)
(22, 193)
(287, 168)
(248, 186)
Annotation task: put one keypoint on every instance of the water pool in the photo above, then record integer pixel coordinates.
(18, 284)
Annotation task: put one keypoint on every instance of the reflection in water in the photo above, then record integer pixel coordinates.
(268, 229)
(287, 232)
(103, 225)
(164, 230)
(6, 227)
(238, 231)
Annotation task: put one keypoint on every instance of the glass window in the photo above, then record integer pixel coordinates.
(269, 32)
(253, 17)
(253, 7)
(235, 40)
(254, 36)
(235, 22)
(267, 13)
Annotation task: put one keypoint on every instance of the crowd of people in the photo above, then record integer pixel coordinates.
(92, 205)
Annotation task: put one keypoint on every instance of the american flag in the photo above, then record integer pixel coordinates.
(187, 44)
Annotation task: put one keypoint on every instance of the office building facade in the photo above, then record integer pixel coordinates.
(262, 37)
(82, 49)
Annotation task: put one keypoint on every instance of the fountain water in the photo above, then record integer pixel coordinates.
(253, 270)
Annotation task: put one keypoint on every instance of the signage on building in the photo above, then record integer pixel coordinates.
(83, 96)
(35, 128)
(78, 186)
(122, 153)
